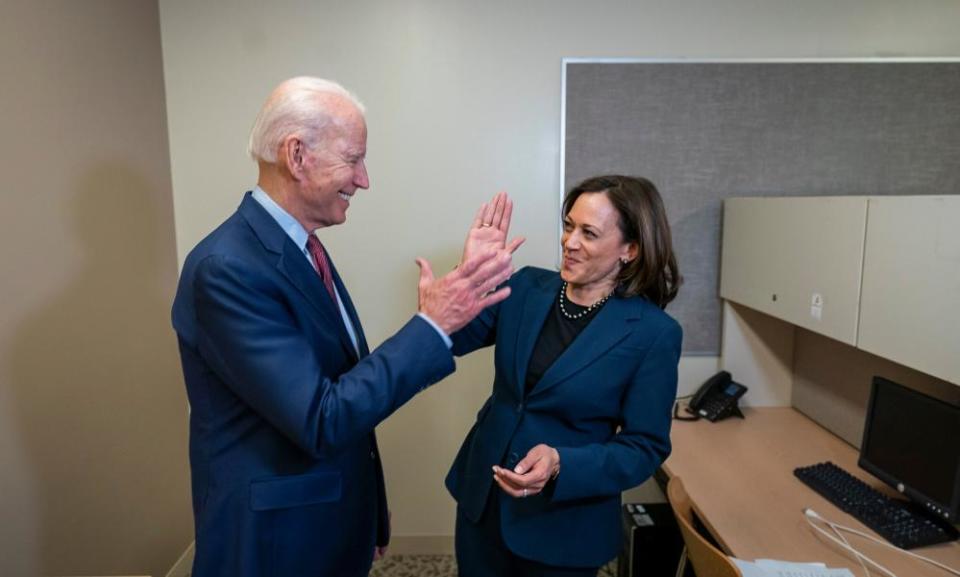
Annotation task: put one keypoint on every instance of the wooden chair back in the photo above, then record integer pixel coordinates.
(707, 560)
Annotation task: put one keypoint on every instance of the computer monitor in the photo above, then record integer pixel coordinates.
(911, 441)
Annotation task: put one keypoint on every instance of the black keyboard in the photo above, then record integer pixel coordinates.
(899, 522)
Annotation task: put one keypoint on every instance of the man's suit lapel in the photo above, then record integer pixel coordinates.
(535, 308)
(351, 310)
(293, 265)
(604, 332)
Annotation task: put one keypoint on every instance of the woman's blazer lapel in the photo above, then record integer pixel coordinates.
(602, 334)
(535, 308)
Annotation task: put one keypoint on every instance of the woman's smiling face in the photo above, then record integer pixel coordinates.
(593, 243)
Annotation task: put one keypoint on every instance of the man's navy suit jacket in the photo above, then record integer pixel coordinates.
(604, 404)
(286, 476)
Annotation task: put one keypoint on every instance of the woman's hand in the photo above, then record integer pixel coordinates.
(531, 474)
(488, 233)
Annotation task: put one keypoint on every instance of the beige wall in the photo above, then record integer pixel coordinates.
(831, 383)
(92, 409)
(463, 99)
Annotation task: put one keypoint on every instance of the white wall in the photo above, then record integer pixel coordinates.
(464, 100)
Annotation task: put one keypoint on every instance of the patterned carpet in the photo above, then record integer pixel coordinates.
(437, 566)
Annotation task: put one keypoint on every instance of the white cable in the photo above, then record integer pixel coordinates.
(859, 560)
(811, 514)
(898, 549)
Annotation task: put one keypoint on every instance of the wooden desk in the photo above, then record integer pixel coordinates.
(739, 474)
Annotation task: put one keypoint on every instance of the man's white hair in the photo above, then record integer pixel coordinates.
(296, 106)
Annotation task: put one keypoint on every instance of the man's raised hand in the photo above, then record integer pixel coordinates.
(456, 298)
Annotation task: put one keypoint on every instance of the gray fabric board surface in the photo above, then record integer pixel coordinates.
(707, 131)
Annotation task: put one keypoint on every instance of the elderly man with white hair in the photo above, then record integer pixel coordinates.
(284, 393)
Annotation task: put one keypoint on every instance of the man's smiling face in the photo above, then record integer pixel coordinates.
(333, 171)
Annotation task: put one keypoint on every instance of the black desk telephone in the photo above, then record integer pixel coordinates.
(717, 398)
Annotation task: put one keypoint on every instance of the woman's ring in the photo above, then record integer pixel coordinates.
(484, 224)
(524, 491)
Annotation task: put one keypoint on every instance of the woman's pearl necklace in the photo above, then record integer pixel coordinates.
(584, 312)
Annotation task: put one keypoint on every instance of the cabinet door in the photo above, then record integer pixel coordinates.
(910, 307)
(797, 259)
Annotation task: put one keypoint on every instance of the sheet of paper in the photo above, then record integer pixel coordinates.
(775, 564)
(774, 568)
(749, 569)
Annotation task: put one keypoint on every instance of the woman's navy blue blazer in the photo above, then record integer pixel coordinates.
(604, 404)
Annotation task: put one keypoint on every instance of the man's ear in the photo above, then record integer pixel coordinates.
(293, 154)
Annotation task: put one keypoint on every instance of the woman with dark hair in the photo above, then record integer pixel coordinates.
(586, 374)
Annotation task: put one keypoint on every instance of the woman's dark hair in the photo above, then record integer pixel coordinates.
(643, 220)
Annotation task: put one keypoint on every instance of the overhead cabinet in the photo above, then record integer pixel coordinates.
(796, 259)
(880, 273)
(910, 305)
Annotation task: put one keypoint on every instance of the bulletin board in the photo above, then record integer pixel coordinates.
(703, 131)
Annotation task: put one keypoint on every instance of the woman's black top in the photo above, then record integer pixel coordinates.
(556, 335)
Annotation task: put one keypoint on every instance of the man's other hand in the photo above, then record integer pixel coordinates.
(454, 299)
(379, 552)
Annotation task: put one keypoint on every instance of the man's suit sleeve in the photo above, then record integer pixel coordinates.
(644, 438)
(251, 340)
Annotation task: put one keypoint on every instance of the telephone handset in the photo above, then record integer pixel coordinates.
(717, 398)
